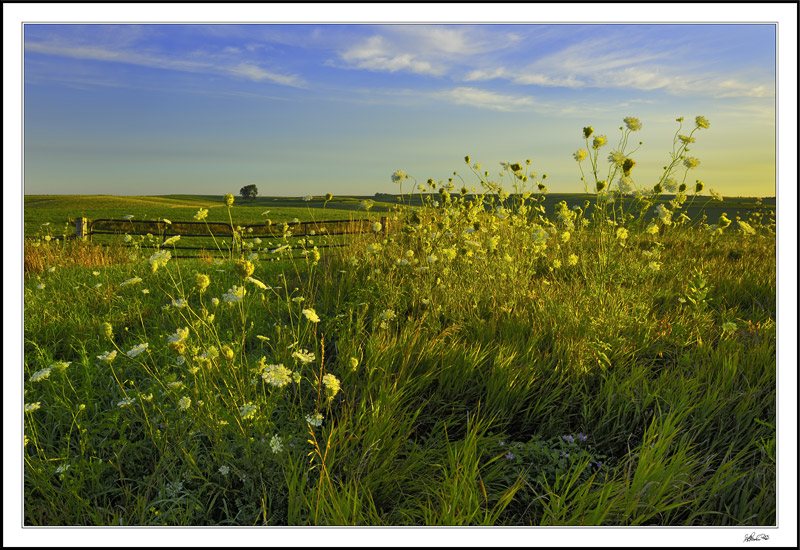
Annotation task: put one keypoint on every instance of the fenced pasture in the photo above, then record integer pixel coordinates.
(476, 359)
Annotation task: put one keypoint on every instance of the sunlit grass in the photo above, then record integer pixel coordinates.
(490, 359)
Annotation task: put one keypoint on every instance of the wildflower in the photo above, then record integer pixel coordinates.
(716, 196)
(376, 227)
(60, 366)
(201, 214)
(131, 281)
(224, 470)
(256, 282)
(698, 186)
(304, 356)
(311, 315)
(374, 248)
(399, 176)
(691, 162)
(729, 326)
(632, 123)
(654, 266)
(228, 200)
(308, 198)
(723, 221)
(617, 158)
(180, 335)
(685, 139)
(599, 141)
(41, 375)
(179, 303)
(180, 360)
(588, 131)
(128, 217)
(622, 233)
(108, 356)
(244, 268)
(652, 229)
(248, 410)
(627, 166)
(215, 301)
(40, 286)
(136, 350)
(582, 437)
(30, 407)
(332, 385)
(509, 455)
(159, 259)
(108, 330)
(277, 375)
(556, 264)
(568, 438)
(388, 315)
(702, 122)
(202, 281)
(746, 228)
(171, 240)
(280, 249)
(166, 221)
(664, 214)
(572, 260)
(234, 294)
(275, 444)
(366, 204)
(671, 184)
(126, 402)
(314, 420)
(63, 468)
(127, 238)
(184, 403)
(353, 363)
(298, 299)
(449, 253)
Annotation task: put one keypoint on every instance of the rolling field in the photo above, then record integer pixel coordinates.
(515, 359)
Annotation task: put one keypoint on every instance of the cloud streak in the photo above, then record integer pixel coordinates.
(231, 68)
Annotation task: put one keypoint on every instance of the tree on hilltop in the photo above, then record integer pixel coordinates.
(249, 192)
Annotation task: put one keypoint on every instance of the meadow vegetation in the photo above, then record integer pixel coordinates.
(490, 358)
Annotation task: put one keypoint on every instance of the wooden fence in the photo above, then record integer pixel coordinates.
(226, 238)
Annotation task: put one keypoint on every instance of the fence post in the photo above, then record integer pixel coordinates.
(81, 228)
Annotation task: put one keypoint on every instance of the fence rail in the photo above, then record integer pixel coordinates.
(86, 229)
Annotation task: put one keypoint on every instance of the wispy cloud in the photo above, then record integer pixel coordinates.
(225, 65)
(375, 54)
(485, 99)
(590, 64)
(423, 49)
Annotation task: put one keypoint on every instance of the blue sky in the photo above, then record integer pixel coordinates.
(310, 109)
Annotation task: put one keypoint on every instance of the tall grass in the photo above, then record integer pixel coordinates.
(483, 363)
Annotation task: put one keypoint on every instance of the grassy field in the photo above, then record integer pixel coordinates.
(488, 360)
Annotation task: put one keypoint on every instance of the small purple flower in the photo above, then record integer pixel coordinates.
(502, 443)
(564, 455)
(569, 438)
(510, 455)
(582, 437)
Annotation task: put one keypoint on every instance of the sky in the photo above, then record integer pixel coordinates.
(299, 109)
(337, 107)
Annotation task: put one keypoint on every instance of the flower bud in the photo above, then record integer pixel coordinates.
(244, 268)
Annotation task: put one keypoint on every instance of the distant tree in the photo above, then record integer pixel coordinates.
(249, 192)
